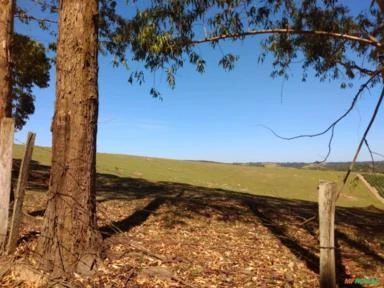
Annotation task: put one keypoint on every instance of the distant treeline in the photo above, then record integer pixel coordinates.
(365, 166)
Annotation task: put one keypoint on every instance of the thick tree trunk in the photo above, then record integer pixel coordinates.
(70, 239)
(6, 27)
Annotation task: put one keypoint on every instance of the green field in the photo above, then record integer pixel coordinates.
(272, 180)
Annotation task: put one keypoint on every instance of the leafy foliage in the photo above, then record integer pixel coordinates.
(30, 68)
(323, 35)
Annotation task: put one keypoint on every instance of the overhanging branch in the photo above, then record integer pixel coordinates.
(349, 37)
(25, 17)
(355, 98)
(363, 139)
(333, 124)
(370, 153)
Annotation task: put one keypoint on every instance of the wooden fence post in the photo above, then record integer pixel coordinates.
(327, 203)
(6, 147)
(19, 194)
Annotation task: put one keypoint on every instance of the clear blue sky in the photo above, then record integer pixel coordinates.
(217, 115)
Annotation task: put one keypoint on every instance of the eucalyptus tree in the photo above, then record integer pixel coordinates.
(23, 64)
(163, 34)
(30, 68)
(328, 39)
(6, 24)
(6, 29)
(70, 239)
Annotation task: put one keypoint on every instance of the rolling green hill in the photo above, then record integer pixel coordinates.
(281, 182)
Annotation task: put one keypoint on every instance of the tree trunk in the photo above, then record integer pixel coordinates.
(70, 239)
(381, 5)
(6, 27)
(6, 145)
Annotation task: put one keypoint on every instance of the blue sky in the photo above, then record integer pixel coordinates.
(217, 115)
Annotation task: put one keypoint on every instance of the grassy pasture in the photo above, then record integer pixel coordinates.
(173, 223)
(272, 180)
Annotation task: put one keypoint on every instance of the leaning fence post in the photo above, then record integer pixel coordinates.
(327, 202)
(19, 194)
(6, 147)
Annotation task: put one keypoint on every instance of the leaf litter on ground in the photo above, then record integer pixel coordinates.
(178, 235)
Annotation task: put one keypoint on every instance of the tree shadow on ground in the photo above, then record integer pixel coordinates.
(286, 218)
(137, 218)
(282, 217)
(38, 177)
(293, 222)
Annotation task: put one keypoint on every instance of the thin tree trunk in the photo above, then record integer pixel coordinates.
(6, 145)
(70, 240)
(6, 28)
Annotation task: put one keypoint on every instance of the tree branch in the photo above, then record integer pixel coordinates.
(329, 145)
(355, 98)
(354, 38)
(333, 125)
(378, 154)
(362, 70)
(43, 3)
(371, 154)
(364, 136)
(25, 17)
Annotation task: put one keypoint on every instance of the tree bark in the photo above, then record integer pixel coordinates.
(70, 239)
(6, 28)
(381, 5)
(6, 145)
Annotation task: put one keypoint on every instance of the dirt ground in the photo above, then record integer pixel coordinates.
(176, 235)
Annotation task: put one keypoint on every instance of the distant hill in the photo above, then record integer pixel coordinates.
(363, 166)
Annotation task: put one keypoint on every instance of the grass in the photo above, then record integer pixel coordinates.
(377, 181)
(180, 218)
(288, 183)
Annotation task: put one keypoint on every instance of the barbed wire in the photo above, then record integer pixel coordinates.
(72, 200)
(69, 200)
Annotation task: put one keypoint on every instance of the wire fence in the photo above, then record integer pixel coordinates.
(115, 171)
(69, 200)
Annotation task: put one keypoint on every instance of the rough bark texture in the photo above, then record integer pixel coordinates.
(6, 27)
(6, 145)
(70, 240)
